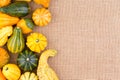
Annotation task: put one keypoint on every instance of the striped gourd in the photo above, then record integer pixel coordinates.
(27, 60)
(16, 42)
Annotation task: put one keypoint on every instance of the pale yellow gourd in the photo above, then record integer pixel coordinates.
(4, 34)
(44, 71)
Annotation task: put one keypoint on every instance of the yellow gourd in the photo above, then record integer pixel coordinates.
(4, 34)
(44, 71)
(29, 76)
(45, 3)
(23, 0)
(4, 2)
(41, 17)
(4, 57)
(36, 42)
(2, 77)
(6, 20)
(11, 72)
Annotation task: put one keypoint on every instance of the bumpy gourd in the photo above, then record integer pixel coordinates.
(27, 60)
(4, 57)
(4, 2)
(29, 76)
(6, 20)
(45, 3)
(4, 34)
(36, 42)
(41, 17)
(2, 77)
(16, 42)
(26, 25)
(18, 9)
(11, 72)
(44, 71)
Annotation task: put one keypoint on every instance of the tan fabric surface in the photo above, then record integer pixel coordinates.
(86, 34)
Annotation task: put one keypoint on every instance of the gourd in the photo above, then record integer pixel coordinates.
(4, 34)
(6, 20)
(26, 25)
(45, 3)
(4, 57)
(24, 0)
(41, 17)
(4, 2)
(36, 42)
(44, 71)
(18, 9)
(16, 42)
(27, 60)
(29, 76)
(2, 77)
(11, 72)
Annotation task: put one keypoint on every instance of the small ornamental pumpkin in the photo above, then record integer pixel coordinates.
(4, 2)
(36, 42)
(41, 17)
(4, 57)
(45, 3)
(27, 60)
(26, 25)
(2, 77)
(28, 76)
(11, 72)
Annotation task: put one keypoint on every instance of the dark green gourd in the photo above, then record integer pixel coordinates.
(16, 42)
(17, 9)
(27, 60)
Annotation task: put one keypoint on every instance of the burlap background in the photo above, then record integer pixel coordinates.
(86, 34)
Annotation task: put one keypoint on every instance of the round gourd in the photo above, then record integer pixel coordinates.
(4, 2)
(4, 57)
(45, 3)
(26, 25)
(2, 77)
(16, 42)
(41, 17)
(27, 60)
(36, 42)
(28, 76)
(11, 72)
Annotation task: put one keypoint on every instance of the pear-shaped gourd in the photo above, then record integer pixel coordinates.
(6, 20)
(16, 42)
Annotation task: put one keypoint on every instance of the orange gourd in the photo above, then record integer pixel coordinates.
(2, 76)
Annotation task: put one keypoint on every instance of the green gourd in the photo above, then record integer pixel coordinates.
(17, 9)
(16, 42)
(27, 60)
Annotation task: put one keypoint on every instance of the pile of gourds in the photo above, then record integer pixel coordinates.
(16, 32)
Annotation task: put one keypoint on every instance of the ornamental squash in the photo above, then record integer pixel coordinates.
(29, 76)
(4, 34)
(4, 57)
(24, 0)
(44, 71)
(2, 77)
(26, 25)
(18, 9)
(16, 42)
(6, 20)
(45, 3)
(27, 60)
(41, 17)
(11, 72)
(36, 42)
(4, 2)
